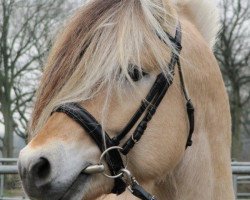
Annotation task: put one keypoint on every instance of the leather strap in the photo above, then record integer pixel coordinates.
(148, 106)
(138, 191)
(160, 83)
(156, 95)
(94, 129)
(189, 106)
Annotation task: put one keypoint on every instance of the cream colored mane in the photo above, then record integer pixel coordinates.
(204, 15)
(90, 63)
(93, 51)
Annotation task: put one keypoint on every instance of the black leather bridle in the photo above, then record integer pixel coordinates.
(148, 107)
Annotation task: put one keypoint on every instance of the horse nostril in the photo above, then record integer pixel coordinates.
(40, 172)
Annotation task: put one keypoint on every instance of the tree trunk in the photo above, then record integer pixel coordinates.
(236, 112)
(8, 142)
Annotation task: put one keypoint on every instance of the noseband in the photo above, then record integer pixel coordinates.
(148, 107)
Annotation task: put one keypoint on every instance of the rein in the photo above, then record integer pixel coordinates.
(112, 155)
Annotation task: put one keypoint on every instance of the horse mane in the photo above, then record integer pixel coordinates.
(98, 46)
(204, 15)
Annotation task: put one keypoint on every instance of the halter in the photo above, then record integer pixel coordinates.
(112, 155)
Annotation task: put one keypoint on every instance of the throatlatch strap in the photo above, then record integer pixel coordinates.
(190, 112)
(94, 129)
(189, 106)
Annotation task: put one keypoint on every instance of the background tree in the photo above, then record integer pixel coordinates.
(25, 27)
(233, 53)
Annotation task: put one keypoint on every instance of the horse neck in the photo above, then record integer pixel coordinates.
(191, 172)
(204, 171)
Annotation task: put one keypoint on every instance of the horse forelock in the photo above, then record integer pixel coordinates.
(96, 48)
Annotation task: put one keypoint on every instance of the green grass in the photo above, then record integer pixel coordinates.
(13, 193)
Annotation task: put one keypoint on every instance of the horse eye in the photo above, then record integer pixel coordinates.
(135, 74)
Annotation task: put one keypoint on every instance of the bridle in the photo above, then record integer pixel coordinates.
(112, 153)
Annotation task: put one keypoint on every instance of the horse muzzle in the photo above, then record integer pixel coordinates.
(45, 177)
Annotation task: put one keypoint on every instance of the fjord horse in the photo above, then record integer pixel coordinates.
(106, 58)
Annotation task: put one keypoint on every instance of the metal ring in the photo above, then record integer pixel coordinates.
(102, 157)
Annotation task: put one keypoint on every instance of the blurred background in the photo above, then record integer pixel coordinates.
(27, 28)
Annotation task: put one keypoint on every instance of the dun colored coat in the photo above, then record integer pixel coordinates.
(89, 63)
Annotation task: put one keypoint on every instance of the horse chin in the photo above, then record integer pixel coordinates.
(82, 188)
(76, 190)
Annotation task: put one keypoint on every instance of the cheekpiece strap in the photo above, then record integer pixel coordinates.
(149, 106)
(156, 94)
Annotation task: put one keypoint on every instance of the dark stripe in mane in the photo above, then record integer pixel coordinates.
(64, 51)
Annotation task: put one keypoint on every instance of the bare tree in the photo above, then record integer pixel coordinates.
(25, 27)
(233, 53)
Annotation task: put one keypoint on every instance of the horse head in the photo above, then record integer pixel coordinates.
(101, 69)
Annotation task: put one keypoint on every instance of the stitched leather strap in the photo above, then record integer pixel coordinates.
(156, 95)
(94, 129)
(149, 106)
